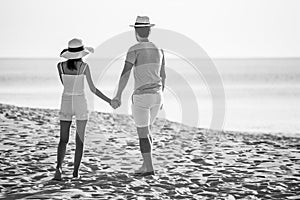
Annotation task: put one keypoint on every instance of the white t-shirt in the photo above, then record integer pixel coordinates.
(147, 60)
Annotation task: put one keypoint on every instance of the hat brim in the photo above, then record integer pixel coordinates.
(75, 55)
(142, 25)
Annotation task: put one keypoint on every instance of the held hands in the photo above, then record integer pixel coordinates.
(115, 103)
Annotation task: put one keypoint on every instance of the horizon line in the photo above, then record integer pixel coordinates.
(213, 58)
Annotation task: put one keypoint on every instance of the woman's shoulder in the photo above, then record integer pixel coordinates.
(84, 63)
(84, 67)
(61, 63)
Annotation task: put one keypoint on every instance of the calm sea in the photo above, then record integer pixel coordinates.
(262, 95)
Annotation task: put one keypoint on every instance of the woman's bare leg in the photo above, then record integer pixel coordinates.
(80, 134)
(61, 150)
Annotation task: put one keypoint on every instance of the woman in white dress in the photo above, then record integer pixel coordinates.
(73, 102)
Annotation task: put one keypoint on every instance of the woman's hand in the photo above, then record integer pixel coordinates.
(115, 103)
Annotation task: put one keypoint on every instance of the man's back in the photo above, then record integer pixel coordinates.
(147, 60)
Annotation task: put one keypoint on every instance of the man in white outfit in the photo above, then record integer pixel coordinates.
(148, 66)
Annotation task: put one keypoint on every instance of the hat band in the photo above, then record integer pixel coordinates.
(76, 49)
(141, 23)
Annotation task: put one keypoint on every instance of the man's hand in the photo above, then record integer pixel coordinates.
(115, 103)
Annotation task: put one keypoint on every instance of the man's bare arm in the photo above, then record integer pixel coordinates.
(163, 73)
(124, 78)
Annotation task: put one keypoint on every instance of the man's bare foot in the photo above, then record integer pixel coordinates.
(146, 173)
(142, 169)
(57, 175)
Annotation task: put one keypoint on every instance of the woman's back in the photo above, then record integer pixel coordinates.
(73, 80)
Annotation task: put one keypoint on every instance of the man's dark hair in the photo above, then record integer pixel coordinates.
(143, 31)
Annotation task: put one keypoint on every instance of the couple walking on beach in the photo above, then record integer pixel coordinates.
(148, 64)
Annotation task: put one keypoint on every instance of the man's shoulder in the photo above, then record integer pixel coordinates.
(135, 47)
(139, 46)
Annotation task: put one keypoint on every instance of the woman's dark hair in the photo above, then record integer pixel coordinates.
(71, 63)
(143, 31)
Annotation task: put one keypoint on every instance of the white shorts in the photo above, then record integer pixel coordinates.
(73, 105)
(145, 108)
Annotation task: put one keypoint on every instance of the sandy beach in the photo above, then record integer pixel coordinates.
(191, 163)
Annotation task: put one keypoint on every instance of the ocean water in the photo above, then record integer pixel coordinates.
(262, 95)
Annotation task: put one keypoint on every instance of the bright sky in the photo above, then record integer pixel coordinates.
(231, 28)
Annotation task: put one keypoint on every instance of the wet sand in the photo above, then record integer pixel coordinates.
(191, 163)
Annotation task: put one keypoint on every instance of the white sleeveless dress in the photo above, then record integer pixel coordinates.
(73, 100)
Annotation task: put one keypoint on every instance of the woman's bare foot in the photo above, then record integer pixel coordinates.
(76, 175)
(57, 175)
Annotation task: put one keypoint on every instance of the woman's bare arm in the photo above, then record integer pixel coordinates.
(92, 86)
(59, 72)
